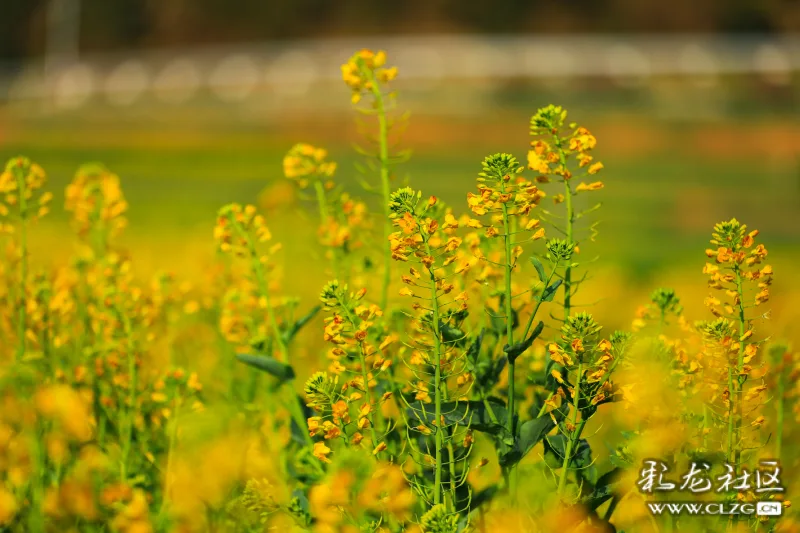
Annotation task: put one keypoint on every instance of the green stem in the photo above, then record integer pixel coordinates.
(368, 394)
(46, 334)
(87, 339)
(511, 422)
(612, 506)
(383, 158)
(574, 435)
(297, 413)
(261, 279)
(740, 366)
(568, 269)
(452, 464)
(489, 409)
(324, 216)
(132, 384)
(450, 501)
(437, 347)
(173, 440)
(36, 518)
(569, 229)
(292, 404)
(262, 285)
(99, 412)
(544, 405)
(730, 415)
(98, 237)
(364, 375)
(539, 301)
(23, 266)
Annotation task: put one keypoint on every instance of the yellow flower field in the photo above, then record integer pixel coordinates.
(436, 368)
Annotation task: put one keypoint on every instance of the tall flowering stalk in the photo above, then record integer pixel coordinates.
(742, 286)
(589, 361)
(654, 324)
(240, 231)
(243, 232)
(308, 166)
(426, 239)
(507, 199)
(562, 152)
(672, 351)
(366, 74)
(23, 202)
(117, 312)
(349, 329)
(660, 352)
(98, 207)
(785, 371)
(341, 416)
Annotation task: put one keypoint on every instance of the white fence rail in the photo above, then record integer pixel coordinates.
(236, 73)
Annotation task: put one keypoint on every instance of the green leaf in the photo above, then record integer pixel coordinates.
(549, 293)
(489, 378)
(512, 352)
(539, 268)
(269, 365)
(498, 322)
(619, 461)
(451, 334)
(289, 333)
(708, 456)
(605, 488)
(555, 448)
(299, 506)
(485, 370)
(530, 434)
(473, 414)
(298, 433)
(474, 349)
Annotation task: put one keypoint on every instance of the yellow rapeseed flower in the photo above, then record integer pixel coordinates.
(8, 507)
(322, 452)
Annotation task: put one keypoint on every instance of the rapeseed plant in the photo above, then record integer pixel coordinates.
(784, 370)
(348, 330)
(743, 283)
(242, 232)
(506, 199)
(565, 156)
(24, 201)
(343, 221)
(425, 240)
(366, 73)
(108, 421)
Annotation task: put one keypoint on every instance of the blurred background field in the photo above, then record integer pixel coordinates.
(690, 134)
(193, 103)
(693, 127)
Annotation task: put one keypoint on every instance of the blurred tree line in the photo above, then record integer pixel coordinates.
(125, 24)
